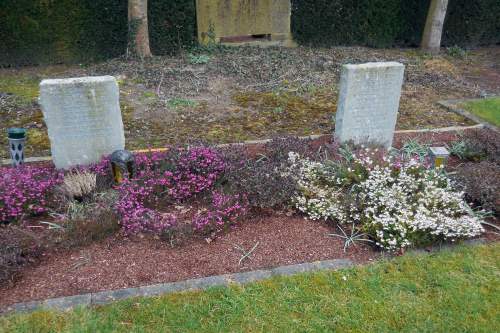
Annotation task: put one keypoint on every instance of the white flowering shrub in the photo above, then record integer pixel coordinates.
(412, 205)
(398, 204)
(319, 189)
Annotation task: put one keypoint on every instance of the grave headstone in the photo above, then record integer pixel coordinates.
(368, 102)
(83, 119)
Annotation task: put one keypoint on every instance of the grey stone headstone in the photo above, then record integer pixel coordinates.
(83, 119)
(369, 102)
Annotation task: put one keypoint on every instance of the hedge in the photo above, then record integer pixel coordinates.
(172, 25)
(65, 31)
(61, 31)
(385, 23)
(472, 23)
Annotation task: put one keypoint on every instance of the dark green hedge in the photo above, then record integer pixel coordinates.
(379, 23)
(61, 31)
(472, 23)
(64, 31)
(67, 31)
(383, 23)
(172, 25)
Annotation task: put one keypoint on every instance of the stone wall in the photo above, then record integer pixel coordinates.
(234, 21)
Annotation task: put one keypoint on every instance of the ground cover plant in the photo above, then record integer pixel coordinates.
(478, 172)
(397, 202)
(453, 290)
(26, 191)
(393, 201)
(195, 198)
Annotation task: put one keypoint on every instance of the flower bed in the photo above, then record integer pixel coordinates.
(191, 196)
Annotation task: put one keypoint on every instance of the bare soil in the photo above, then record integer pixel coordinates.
(251, 93)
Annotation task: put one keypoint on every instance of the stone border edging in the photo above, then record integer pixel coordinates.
(263, 141)
(452, 105)
(108, 296)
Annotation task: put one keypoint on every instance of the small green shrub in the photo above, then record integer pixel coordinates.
(198, 59)
(261, 178)
(414, 149)
(478, 145)
(177, 103)
(459, 149)
(456, 52)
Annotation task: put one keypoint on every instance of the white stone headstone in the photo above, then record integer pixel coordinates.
(368, 102)
(83, 119)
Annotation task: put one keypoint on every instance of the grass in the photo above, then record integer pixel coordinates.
(452, 291)
(487, 109)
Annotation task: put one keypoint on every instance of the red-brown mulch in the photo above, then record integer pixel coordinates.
(121, 262)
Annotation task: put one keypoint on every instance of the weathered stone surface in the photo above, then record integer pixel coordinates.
(237, 18)
(162, 288)
(67, 303)
(104, 297)
(252, 276)
(369, 102)
(312, 266)
(83, 119)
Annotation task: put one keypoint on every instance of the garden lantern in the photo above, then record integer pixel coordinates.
(17, 140)
(122, 163)
(439, 156)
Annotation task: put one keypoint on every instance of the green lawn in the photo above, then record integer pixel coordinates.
(452, 291)
(487, 109)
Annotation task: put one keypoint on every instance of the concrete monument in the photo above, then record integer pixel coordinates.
(83, 119)
(369, 102)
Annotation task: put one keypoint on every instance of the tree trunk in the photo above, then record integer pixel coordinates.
(138, 28)
(431, 40)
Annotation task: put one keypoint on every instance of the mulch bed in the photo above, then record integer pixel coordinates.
(120, 262)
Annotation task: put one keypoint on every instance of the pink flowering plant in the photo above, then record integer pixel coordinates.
(196, 170)
(26, 190)
(162, 178)
(224, 212)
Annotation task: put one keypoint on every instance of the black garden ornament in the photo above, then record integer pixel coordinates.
(122, 165)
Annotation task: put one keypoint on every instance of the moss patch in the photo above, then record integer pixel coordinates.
(23, 86)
